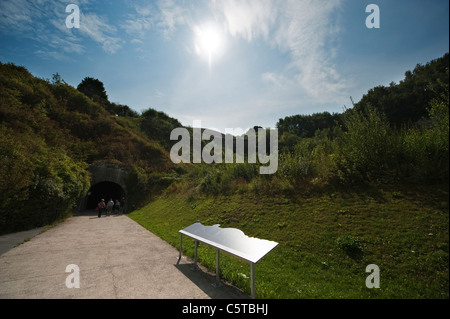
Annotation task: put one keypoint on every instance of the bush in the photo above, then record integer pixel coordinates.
(426, 147)
(295, 168)
(211, 182)
(350, 245)
(368, 146)
(41, 184)
(245, 171)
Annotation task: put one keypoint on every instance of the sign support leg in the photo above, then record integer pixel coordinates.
(181, 248)
(252, 280)
(195, 254)
(217, 284)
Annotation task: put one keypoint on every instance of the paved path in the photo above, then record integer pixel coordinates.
(117, 258)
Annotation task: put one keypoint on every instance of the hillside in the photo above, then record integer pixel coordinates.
(50, 132)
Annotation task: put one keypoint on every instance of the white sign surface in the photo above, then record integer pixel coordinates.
(231, 240)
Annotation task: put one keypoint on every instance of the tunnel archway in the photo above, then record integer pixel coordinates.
(103, 190)
(108, 180)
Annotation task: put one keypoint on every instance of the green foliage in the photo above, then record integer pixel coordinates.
(287, 142)
(307, 125)
(427, 146)
(368, 145)
(120, 110)
(408, 101)
(94, 89)
(211, 182)
(350, 245)
(242, 171)
(38, 184)
(158, 126)
(50, 132)
(295, 168)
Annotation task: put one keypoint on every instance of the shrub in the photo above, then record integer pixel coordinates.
(211, 182)
(350, 245)
(41, 185)
(368, 146)
(426, 148)
(295, 168)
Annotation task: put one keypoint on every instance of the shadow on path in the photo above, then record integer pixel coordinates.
(9, 241)
(206, 282)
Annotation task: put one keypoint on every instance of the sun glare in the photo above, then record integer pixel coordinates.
(208, 42)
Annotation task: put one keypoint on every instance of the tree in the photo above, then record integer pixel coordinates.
(94, 89)
(306, 125)
(56, 79)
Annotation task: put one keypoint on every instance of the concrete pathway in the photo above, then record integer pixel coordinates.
(116, 257)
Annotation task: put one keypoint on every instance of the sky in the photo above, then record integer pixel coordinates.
(226, 63)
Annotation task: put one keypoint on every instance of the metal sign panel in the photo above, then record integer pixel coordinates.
(230, 240)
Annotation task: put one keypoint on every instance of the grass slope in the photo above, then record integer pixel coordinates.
(403, 230)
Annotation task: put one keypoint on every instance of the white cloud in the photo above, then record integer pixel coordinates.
(274, 79)
(171, 15)
(305, 29)
(44, 21)
(140, 22)
(301, 28)
(164, 16)
(97, 28)
(158, 93)
(51, 55)
(18, 16)
(249, 19)
(136, 41)
(137, 26)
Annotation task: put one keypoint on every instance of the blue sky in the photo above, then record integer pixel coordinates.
(229, 63)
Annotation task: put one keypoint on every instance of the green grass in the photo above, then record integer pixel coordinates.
(403, 230)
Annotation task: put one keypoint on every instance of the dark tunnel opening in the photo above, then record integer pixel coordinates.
(104, 190)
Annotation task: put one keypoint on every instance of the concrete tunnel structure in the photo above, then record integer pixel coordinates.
(108, 181)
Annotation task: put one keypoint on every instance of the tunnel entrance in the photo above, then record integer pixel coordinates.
(103, 190)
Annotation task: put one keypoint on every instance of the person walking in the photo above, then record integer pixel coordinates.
(109, 207)
(122, 205)
(117, 207)
(101, 207)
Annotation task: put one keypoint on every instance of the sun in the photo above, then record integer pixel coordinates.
(208, 41)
